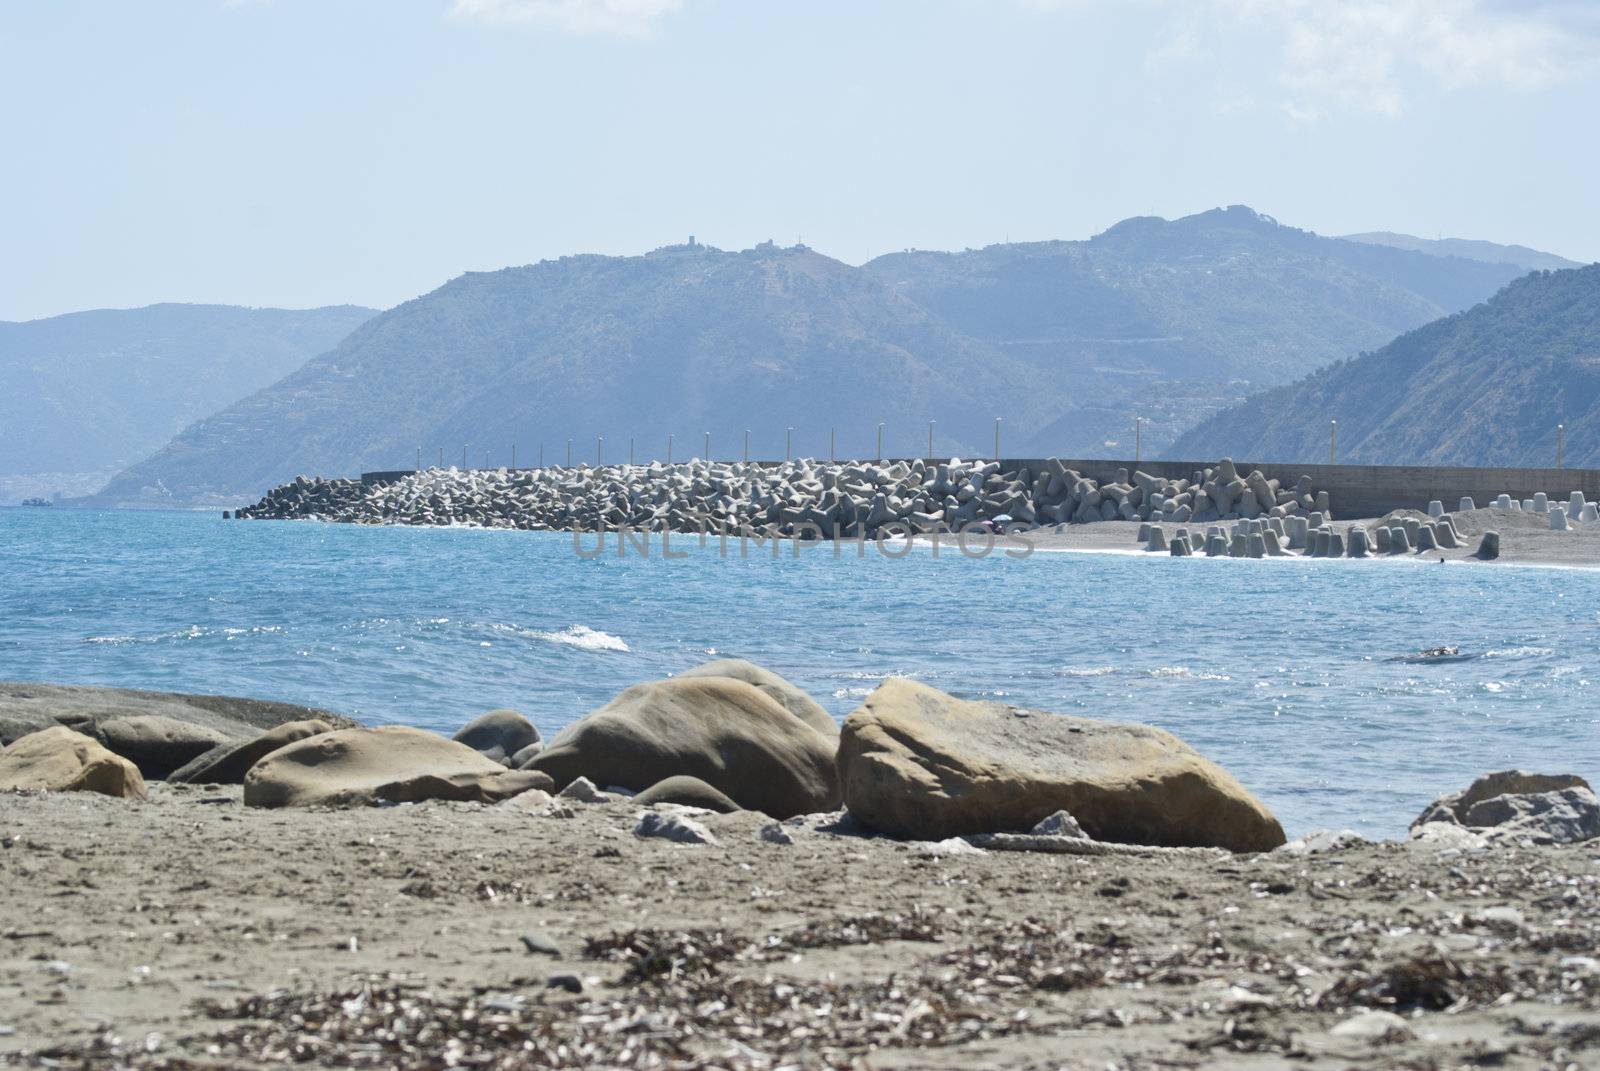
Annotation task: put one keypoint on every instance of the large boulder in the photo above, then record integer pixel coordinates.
(27, 707)
(788, 696)
(915, 762)
(498, 735)
(686, 792)
(156, 743)
(729, 734)
(393, 764)
(227, 765)
(63, 760)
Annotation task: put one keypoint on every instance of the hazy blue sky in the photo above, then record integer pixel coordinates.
(305, 152)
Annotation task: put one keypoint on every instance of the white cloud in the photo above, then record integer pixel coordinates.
(1361, 55)
(629, 18)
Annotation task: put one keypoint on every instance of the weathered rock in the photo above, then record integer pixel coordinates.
(525, 755)
(1564, 816)
(584, 791)
(774, 833)
(157, 744)
(686, 792)
(498, 735)
(1455, 806)
(729, 734)
(393, 764)
(26, 708)
(918, 763)
(678, 828)
(227, 765)
(787, 695)
(1059, 824)
(63, 760)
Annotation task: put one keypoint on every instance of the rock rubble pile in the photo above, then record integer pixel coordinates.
(797, 498)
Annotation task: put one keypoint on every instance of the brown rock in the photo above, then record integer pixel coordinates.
(729, 734)
(61, 760)
(158, 744)
(687, 791)
(499, 735)
(915, 762)
(394, 764)
(788, 696)
(228, 765)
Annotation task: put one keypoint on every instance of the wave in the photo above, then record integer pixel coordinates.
(584, 638)
(193, 632)
(1517, 652)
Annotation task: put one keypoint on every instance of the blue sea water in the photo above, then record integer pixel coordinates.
(1279, 670)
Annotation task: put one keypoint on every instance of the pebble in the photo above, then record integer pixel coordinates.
(539, 943)
(569, 982)
(678, 828)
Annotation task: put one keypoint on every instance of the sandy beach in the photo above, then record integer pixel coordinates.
(190, 932)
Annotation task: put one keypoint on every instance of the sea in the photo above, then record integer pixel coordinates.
(1294, 674)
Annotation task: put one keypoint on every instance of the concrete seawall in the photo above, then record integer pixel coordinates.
(1354, 490)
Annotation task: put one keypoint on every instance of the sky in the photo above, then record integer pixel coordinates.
(312, 152)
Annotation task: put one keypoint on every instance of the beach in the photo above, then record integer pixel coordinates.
(190, 932)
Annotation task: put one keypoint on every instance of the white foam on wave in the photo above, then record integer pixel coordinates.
(1186, 672)
(584, 638)
(1090, 671)
(1517, 652)
(193, 632)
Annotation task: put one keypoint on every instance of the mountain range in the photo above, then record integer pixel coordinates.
(1483, 387)
(1488, 252)
(1169, 320)
(89, 393)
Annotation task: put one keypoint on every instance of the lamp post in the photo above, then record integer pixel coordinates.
(1561, 442)
(1333, 441)
(708, 448)
(541, 455)
(880, 441)
(464, 457)
(599, 450)
(747, 445)
(669, 447)
(997, 438)
(569, 453)
(513, 456)
(788, 442)
(419, 459)
(930, 440)
(441, 457)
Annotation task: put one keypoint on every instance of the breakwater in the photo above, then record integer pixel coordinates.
(802, 498)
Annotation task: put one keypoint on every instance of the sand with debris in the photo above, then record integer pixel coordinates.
(191, 932)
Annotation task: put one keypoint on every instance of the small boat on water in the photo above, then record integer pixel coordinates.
(35, 502)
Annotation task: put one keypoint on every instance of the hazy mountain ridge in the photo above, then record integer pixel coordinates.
(1227, 301)
(680, 341)
(1065, 340)
(1469, 249)
(1484, 387)
(84, 394)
